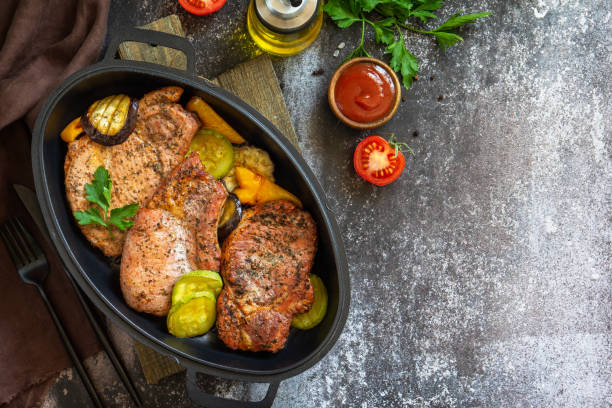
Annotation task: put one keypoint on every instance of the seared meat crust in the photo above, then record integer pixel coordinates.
(195, 198)
(176, 234)
(265, 266)
(158, 250)
(158, 143)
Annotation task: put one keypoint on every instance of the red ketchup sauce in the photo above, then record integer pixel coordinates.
(364, 92)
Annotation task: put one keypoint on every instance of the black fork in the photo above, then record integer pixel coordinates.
(33, 268)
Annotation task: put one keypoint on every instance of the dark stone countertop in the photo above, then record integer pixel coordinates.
(482, 276)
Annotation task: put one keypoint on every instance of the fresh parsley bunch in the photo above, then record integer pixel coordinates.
(390, 16)
(99, 192)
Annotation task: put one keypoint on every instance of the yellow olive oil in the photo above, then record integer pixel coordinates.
(282, 44)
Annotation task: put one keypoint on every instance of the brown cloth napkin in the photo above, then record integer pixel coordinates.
(41, 43)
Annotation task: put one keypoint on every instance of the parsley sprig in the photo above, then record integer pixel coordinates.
(388, 17)
(99, 193)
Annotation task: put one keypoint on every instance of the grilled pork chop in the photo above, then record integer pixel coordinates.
(158, 143)
(265, 265)
(176, 234)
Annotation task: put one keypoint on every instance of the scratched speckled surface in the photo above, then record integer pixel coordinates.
(482, 277)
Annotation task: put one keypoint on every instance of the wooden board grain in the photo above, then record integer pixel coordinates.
(155, 366)
(253, 81)
(256, 83)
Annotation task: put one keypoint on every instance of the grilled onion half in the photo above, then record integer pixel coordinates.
(111, 120)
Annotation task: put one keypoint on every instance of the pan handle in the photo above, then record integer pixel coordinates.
(153, 38)
(203, 399)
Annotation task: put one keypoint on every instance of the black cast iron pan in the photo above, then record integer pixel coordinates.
(92, 271)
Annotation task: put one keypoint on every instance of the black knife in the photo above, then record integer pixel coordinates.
(28, 198)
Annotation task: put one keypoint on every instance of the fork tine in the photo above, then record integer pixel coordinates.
(14, 224)
(32, 245)
(16, 256)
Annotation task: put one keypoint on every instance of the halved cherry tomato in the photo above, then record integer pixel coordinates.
(201, 7)
(375, 160)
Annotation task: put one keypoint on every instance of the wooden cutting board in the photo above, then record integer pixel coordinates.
(254, 82)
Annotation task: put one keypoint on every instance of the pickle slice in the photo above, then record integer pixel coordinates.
(215, 151)
(193, 317)
(196, 281)
(318, 309)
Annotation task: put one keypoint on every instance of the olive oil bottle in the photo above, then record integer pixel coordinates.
(284, 27)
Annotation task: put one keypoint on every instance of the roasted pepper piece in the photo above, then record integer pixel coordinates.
(194, 282)
(211, 120)
(318, 309)
(254, 189)
(254, 159)
(193, 317)
(72, 131)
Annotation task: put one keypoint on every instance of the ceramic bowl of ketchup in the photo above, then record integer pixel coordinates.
(364, 93)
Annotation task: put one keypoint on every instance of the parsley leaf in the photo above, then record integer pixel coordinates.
(424, 15)
(446, 39)
(387, 22)
(401, 9)
(384, 34)
(341, 12)
(403, 61)
(424, 11)
(99, 193)
(456, 21)
(91, 216)
(369, 5)
(118, 216)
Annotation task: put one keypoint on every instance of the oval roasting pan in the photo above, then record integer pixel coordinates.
(93, 272)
